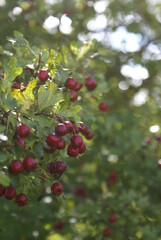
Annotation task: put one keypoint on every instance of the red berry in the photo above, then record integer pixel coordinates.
(112, 218)
(72, 152)
(2, 190)
(103, 106)
(23, 130)
(29, 164)
(16, 167)
(158, 138)
(90, 84)
(21, 142)
(106, 232)
(69, 126)
(57, 189)
(80, 192)
(82, 148)
(75, 96)
(59, 225)
(89, 135)
(52, 140)
(148, 140)
(78, 86)
(61, 129)
(16, 85)
(71, 83)
(113, 174)
(21, 199)
(43, 76)
(83, 128)
(57, 167)
(61, 144)
(76, 141)
(10, 193)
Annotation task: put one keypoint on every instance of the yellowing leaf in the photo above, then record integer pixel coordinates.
(28, 93)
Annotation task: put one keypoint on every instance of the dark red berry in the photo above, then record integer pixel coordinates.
(43, 76)
(61, 129)
(76, 141)
(10, 193)
(2, 190)
(71, 83)
(57, 189)
(103, 107)
(16, 167)
(158, 138)
(21, 142)
(83, 128)
(82, 148)
(59, 225)
(90, 84)
(72, 152)
(112, 218)
(80, 192)
(16, 85)
(61, 144)
(78, 86)
(89, 135)
(75, 96)
(69, 126)
(21, 199)
(106, 232)
(52, 140)
(148, 140)
(29, 164)
(57, 167)
(23, 130)
(113, 174)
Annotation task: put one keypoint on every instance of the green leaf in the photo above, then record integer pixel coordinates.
(20, 39)
(48, 96)
(3, 157)
(4, 180)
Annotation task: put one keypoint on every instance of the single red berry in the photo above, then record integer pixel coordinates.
(76, 141)
(71, 83)
(72, 152)
(106, 232)
(78, 86)
(82, 148)
(57, 189)
(113, 174)
(29, 164)
(21, 199)
(2, 190)
(52, 140)
(21, 142)
(61, 129)
(43, 76)
(83, 128)
(69, 126)
(111, 181)
(23, 130)
(59, 225)
(112, 218)
(10, 193)
(80, 192)
(89, 135)
(158, 138)
(75, 96)
(90, 84)
(103, 107)
(60, 167)
(16, 167)
(16, 85)
(61, 144)
(148, 140)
